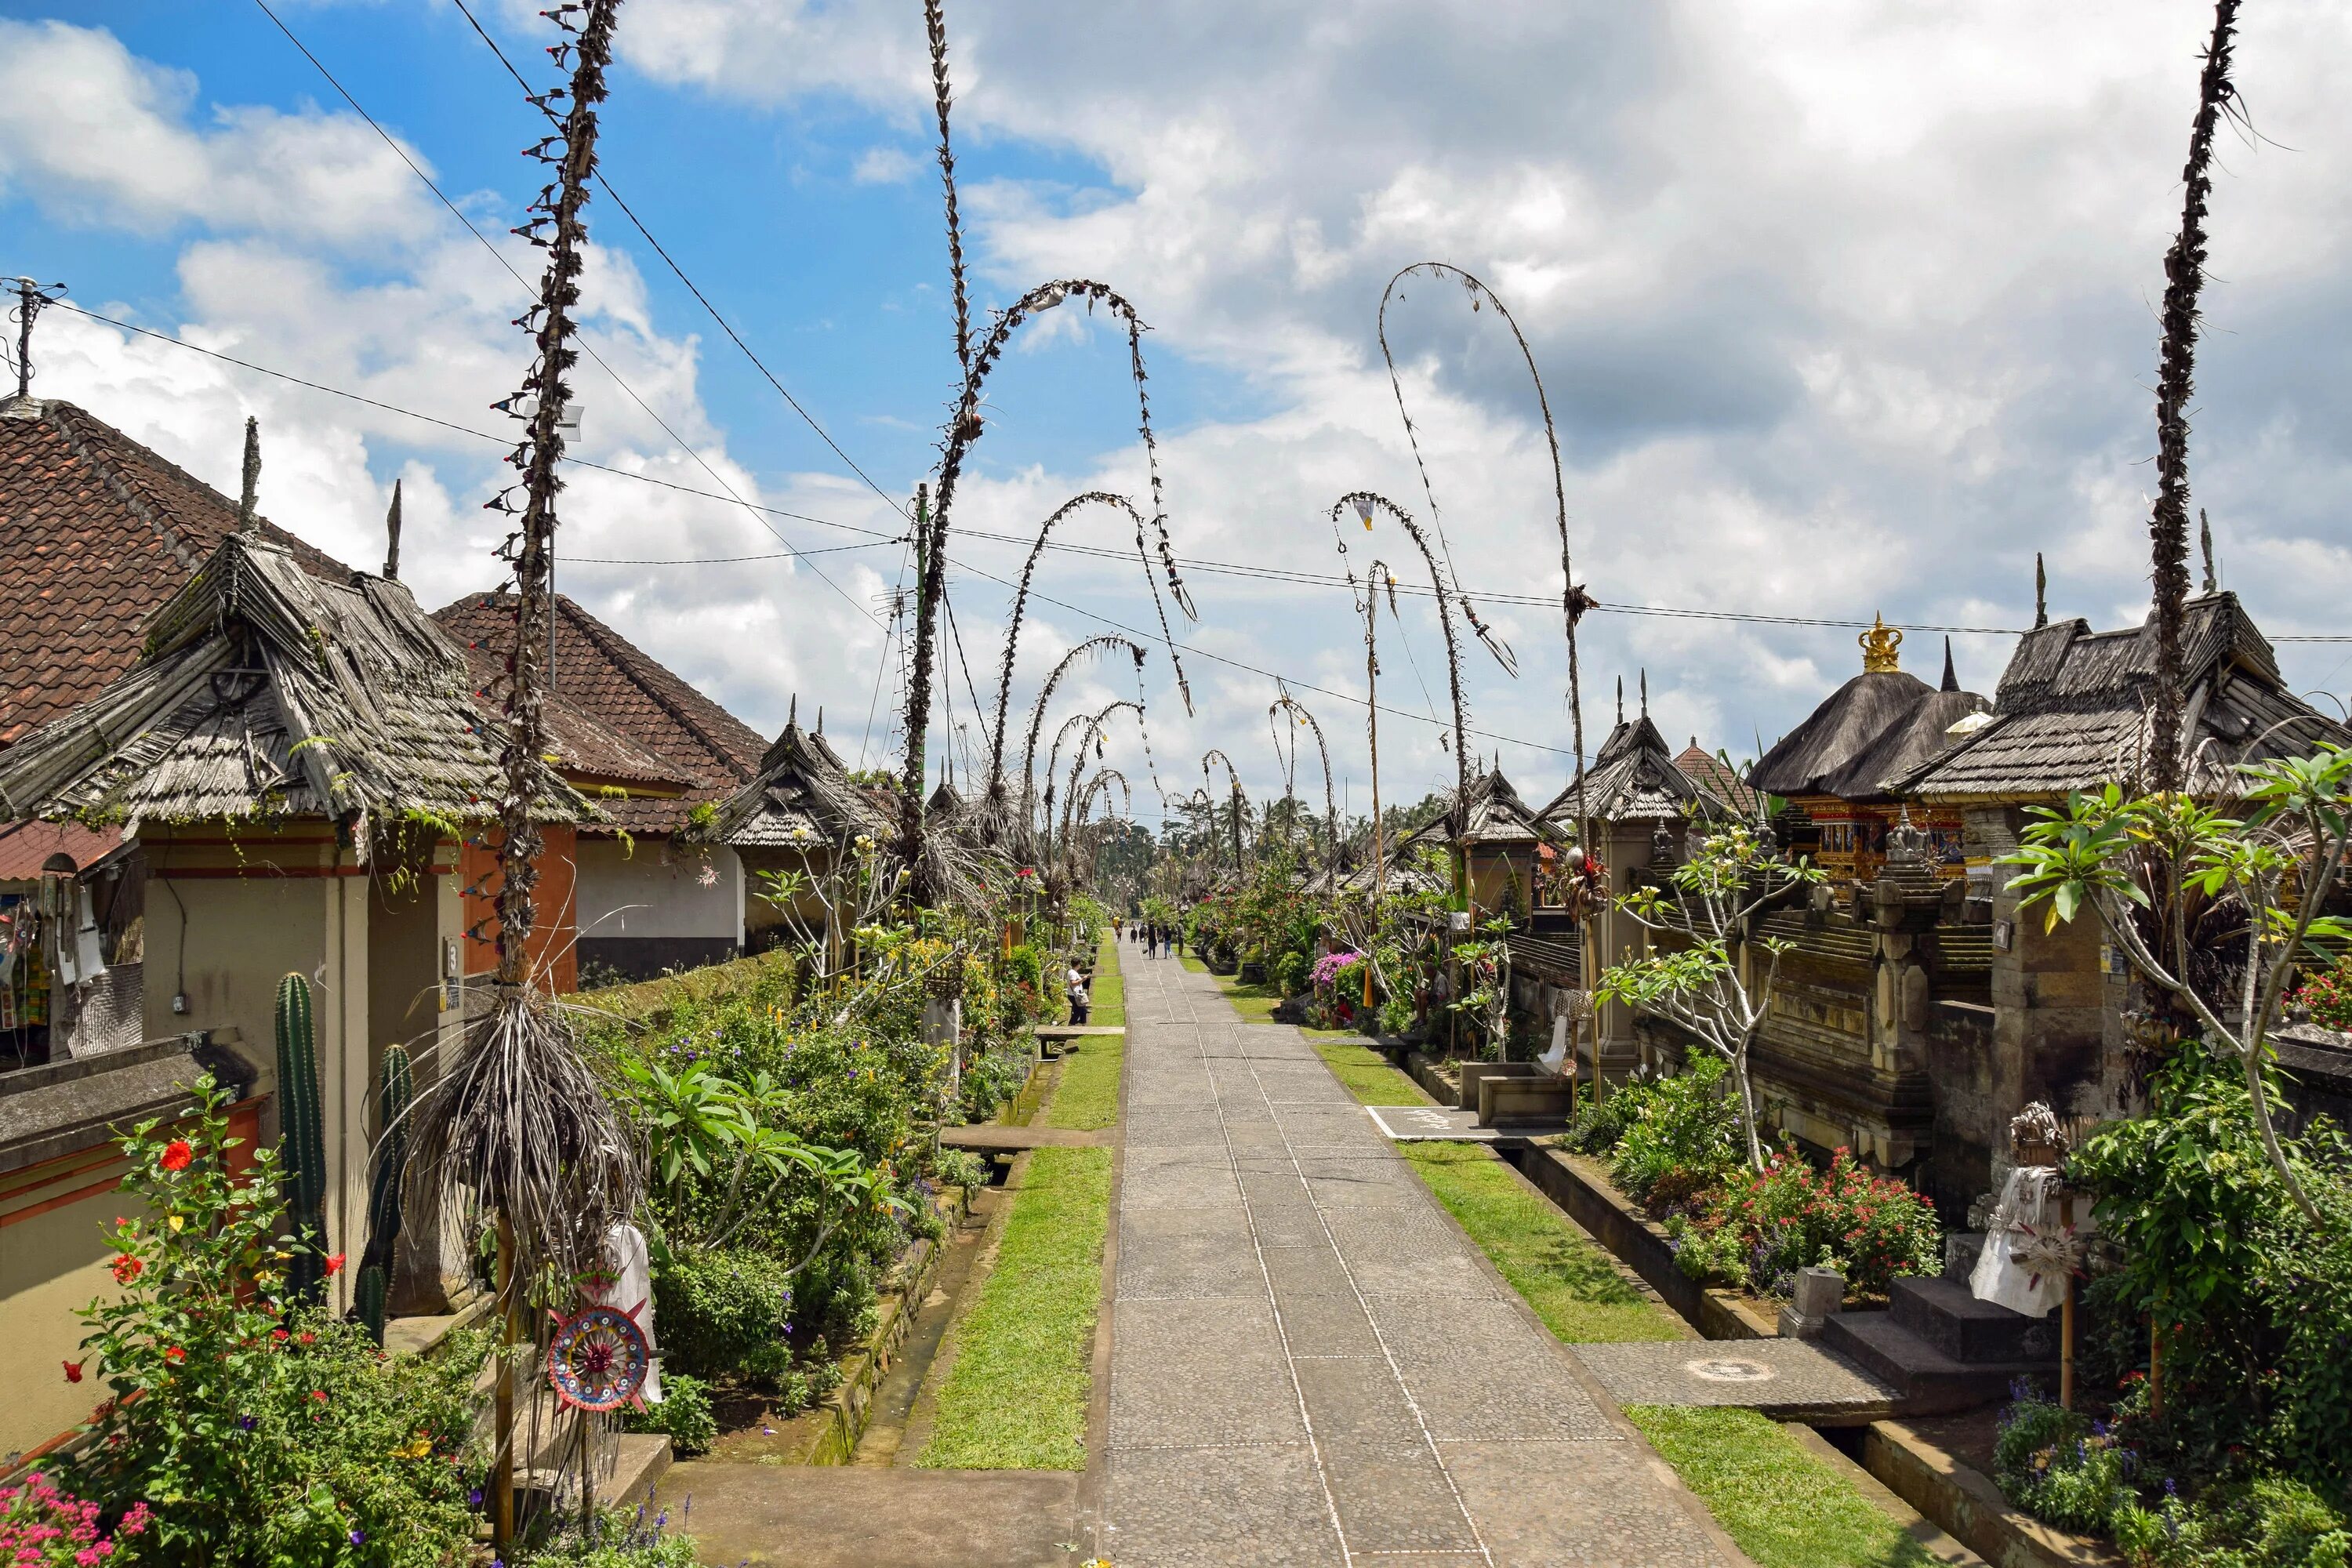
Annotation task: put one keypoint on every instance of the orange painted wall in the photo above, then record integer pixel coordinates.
(554, 961)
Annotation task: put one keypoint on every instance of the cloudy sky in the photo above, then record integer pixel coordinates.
(1842, 307)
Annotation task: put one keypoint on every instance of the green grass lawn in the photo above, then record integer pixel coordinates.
(1184, 956)
(1782, 1505)
(1016, 1397)
(1369, 1076)
(1567, 1278)
(1088, 1096)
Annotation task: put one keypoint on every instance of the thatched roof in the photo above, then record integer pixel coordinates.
(1635, 778)
(2073, 711)
(263, 689)
(802, 795)
(1874, 732)
(1498, 816)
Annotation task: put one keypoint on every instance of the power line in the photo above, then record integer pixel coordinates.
(629, 213)
(1194, 564)
(500, 257)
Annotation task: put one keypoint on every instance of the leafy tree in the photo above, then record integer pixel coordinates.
(2160, 871)
(1707, 906)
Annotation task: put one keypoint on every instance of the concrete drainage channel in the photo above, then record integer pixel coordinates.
(1845, 1412)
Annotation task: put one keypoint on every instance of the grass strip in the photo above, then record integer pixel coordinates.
(1566, 1276)
(1088, 1096)
(1369, 1076)
(1783, 1507)
(1016, 1397)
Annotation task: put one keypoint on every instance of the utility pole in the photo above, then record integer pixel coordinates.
(30, 298)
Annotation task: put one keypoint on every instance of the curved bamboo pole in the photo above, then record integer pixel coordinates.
(1046, 695)
(1020, 605)
(1289, 704)
(1367, 503)
(1574, 600)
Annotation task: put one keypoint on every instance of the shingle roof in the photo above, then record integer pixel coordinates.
(1633, 778)
(610, 683)
(263, 689)
(1498, 816)
(803, 794)
(2073, 711)
(95, 533)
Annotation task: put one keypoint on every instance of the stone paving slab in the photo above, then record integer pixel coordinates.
(1310, 1364)
(1786, 1379)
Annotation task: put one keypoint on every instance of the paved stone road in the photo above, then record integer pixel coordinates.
(1309, 1364)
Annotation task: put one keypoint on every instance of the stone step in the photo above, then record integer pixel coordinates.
(1931, 1383)
(1943, 1313)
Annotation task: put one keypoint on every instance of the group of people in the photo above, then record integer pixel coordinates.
(1158, 939)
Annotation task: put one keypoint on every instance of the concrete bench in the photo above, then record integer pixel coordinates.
(1475, 1073)
(1517, 1099)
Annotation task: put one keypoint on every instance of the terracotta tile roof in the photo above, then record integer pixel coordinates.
(610, 683)
(25, 846)
(97, 533)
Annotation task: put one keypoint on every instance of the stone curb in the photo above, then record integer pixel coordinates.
(851, 1406)
(1970, 1506)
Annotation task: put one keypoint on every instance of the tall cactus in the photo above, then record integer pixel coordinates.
(301, 1133)
(394, 1090)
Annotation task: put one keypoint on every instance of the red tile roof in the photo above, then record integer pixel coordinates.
(25, 846)
(610, 682)
(96, 532)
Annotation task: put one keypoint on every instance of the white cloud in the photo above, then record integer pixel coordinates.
(884, 166)
(103, 138)
(1843, 306)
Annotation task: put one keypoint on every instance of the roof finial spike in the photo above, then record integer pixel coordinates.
(2205, 542)
(1951, 677)
(819, 719)
(793, 712)
(392, 537)
(247, 518)
(2041, 593)
(1645, 692)
(1620, 700)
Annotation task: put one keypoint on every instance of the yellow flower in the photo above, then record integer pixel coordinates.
(178, 1221)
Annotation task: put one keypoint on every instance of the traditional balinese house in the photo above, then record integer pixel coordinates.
(658, 890)
(1880, 978)
(297, 758)
(799, 813)
(2072, 713)
(1838, 767)
(97, 534)
(1642, 803)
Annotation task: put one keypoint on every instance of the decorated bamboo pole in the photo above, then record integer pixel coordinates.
(520, 1124)
(965, 427)
(2184, 278)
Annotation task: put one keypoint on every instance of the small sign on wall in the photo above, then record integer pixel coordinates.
(2004, 935)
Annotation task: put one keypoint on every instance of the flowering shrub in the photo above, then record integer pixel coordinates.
(1789, 1215)
(1680, 1138)
(1330, 967)
(254, 1428)
(41, 1527)
(2061, 1466)
(2329, 996)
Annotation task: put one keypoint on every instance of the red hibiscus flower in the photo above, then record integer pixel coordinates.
(178, 1156)
(334, 1263)
(126, 1267)
(175, 1355)
(73, 1369)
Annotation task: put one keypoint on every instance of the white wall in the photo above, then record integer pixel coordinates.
(650, 890)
